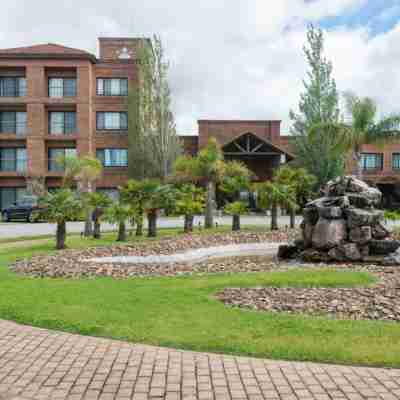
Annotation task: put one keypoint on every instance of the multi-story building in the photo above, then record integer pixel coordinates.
(58, 100)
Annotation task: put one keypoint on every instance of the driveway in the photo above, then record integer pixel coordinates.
(19, 229)
(39, 364)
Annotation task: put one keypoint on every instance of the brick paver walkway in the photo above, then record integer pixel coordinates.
(41, 364)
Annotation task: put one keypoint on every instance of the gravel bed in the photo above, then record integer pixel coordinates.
(74, 263)
(378, 302)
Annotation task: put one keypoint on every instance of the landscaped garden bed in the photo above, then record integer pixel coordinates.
(76, 264)
(380, 301)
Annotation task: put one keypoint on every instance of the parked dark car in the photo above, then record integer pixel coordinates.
(26, 208)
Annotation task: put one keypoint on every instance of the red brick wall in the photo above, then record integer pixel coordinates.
(226, 131)
(86, 103)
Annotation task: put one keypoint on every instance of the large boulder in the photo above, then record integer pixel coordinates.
(330, 212)
(351, 251)
(347, 185)
(307, 231)
(329, 233)
(379, 231)
(359, 217)
(392, 259)
(360, 234)
(383, 247)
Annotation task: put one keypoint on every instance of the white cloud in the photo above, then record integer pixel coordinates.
(229, 58)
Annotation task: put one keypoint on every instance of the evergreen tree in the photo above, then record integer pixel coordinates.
(318, 106)
(153, 142)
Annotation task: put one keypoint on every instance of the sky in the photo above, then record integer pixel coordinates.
(231, 59)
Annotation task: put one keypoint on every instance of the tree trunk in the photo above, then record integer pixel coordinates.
(209, 215)
(292, 219)
(236, 223)
(152, 221)
(139, 225)
(60, 235)
(188, 225)
(274, 218)
(358, 170)
(88, 230)
(97, 229)
(121, 232)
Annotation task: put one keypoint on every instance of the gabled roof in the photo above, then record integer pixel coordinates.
(254, 145)
(49, 50)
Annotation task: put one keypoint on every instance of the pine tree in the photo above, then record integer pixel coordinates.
(318, 106)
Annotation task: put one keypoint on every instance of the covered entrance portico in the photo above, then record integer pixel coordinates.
(261, 156)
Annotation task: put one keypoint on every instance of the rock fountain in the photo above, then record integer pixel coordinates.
(344, 225)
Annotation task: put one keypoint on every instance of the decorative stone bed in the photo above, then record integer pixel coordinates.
(378, 302)
(78, 264)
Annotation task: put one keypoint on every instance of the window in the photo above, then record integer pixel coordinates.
(13, 159)
(112, 121)
(55, 158)
(62, 87)
(372, 160)
(9, 196)
(12, 87)
(62, 123)
(112, 87)
(13, 122)
(396, 161)
(113, 157)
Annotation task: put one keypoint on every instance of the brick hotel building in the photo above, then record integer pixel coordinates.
(58, 100)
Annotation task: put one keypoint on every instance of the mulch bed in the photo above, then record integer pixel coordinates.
(70, 264)
(377, 302)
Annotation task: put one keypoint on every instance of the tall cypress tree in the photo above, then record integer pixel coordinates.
(153, 142)
(318, 105)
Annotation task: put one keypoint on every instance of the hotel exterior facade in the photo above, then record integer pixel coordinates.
(57, 100)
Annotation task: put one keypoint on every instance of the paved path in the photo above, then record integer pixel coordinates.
(39, 364)
(18, 229)
(195, 255)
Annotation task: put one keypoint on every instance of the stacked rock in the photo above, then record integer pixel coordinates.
(344, 225)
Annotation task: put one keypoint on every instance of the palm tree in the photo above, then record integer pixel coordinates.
(61, 206)
(90, 169)
(272, 195)
(135, 196)
(119, 213)
(85, 171)
(98, 202)
(158, 197)
(207, 167)
(148, 197)
(364, 128)
(302, 184)
(190, 201)
(236, 179)
(236, 209)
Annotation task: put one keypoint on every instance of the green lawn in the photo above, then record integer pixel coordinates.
(182, 312)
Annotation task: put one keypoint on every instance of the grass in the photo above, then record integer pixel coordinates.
(182, 312)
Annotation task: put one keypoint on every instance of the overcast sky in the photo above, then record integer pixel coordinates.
(231, 58)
